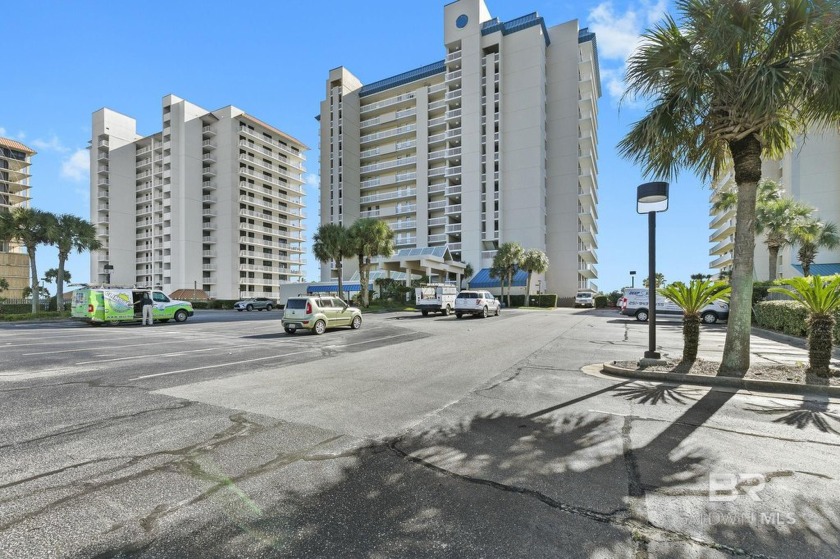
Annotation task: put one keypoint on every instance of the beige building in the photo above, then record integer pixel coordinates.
(214, 201)
(810, 172)
(15, 160)
(496, 142)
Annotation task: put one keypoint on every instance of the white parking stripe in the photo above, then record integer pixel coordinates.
(156, 342)
(146, 356)
(315, 349)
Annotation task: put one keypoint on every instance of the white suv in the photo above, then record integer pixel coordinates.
(477, 303)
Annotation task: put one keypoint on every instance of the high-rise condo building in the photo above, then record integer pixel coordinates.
(810, 173)
(214, 201)
(15, 160)
(496, 142)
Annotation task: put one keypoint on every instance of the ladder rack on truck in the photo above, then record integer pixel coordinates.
(435, 298)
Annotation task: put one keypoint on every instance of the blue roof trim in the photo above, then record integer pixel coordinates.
(821, 269)
(482, 280)
(514, 25)
(585, 35)
(404, 78)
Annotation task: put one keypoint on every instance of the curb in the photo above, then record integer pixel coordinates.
(738, 383)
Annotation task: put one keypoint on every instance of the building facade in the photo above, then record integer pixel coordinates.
(15, 160)
(214, 201)
(810, 173)
(495, 143)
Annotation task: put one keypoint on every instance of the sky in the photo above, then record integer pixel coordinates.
(271, 59)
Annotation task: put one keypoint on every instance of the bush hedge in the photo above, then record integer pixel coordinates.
(600, 301)
(789, 317)
(27, 315)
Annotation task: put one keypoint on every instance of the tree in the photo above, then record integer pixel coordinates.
(701, 276)
(468, 273)
(691, 299)
(29, 227)
(731, 81)
(43, 293)
(507, 261)
(369, 238)
(68, 233)
(331, 243)
(811, 235)
(775, 215)
(52, 274)
(822, 299)
(4, 285)
(659, 278)
(533, 261)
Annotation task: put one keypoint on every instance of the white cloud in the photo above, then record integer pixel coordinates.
(618, 35)
(52, 144)
(77, 166)
(312, 180)
(2, 131)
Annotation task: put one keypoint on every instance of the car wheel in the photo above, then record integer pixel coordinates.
(484, 312)
(320, 327)
(357, 323)
(249, 308)
(641, 315)
(447, 311)
(424, 313)
(498, 310)
(458, 315)
(709, 317)
(289, 331)
(268, 307)
(181, 316)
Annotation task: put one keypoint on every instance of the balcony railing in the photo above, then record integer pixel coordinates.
(402, 193)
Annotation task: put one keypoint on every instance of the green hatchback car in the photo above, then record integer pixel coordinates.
(317, 313)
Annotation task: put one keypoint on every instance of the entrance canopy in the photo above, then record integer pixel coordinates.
(482, 280)
(429, 261)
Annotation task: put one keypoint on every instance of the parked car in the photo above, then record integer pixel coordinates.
(317, 313)
(635, 303)
(257, 303)
(477, 303)
(435, 297)
(585, 299)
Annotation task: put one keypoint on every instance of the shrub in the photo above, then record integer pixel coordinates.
(221, 303)
(201, 304)
(600, 301)
(14, 317)
(783, 316)
(613, 298)
(515, 300)
(544, 300)
(759, 292)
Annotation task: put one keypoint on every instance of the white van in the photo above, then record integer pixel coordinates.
(635, 303)
(435, 298)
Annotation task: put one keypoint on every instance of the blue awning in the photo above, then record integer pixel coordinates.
(482, 280)
(821, 269)
(333, 288)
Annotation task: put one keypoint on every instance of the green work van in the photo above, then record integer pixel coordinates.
(98, 305)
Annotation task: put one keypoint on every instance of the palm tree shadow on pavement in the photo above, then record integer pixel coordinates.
(645, 393)
(813, 412)
(502, 485)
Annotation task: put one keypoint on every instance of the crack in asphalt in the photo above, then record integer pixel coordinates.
(642, 530)
(107, 421)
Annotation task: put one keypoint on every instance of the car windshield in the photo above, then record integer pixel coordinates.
(296, 304)
(465, 295)
(584, 295)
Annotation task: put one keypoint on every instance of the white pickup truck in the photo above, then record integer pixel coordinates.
(435, 298)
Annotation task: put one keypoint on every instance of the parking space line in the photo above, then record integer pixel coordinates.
(314, 349)
(146, 356)
(110, 347)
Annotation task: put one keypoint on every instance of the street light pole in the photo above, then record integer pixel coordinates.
(652, 197)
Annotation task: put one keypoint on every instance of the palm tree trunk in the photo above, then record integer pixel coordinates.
(528, 289)
(339, 266)
(510, 285)
(59, 283)
(33, 282)
(773, 261)
(746, 156)
(820, 332)
(691, 337)
(806, 268)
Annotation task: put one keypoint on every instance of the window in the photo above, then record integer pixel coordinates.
(159, 297)
(325, 303)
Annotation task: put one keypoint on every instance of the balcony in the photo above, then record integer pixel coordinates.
(437, 188)
(453, 95)
(387, 103)
(437, 221)
(403, 225)
(453, 171)
(208, 131)
(453, 190)
(210, 158)
(406, 209)
(588, 271)
(369, 213)
(208, 239)
(388, 164)
(407, 240)
(271, 219)
(452, 76)
(208, 172)
(270, 141)
(208, 144)
(407, 129)
(453, 210)
(726, 245)
(438, 238)
(453, 56)
(438, 204)
(273, 168)
(296, 200)
(588, 255)
(402, 193)
(455, 113)
(722, 261)
(208, 185)
(453, 228)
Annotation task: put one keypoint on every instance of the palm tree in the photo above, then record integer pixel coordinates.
(331, 243)
(822, 299)
(533, 260)
(731, 81)
(659, 278)
(468, 273)
(691, 299)
(29, 227)
(369, 238)
(68, 233)
(775, 216)
(811, 235)
(508, 259)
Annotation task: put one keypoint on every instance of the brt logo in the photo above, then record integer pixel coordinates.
(725, 487)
